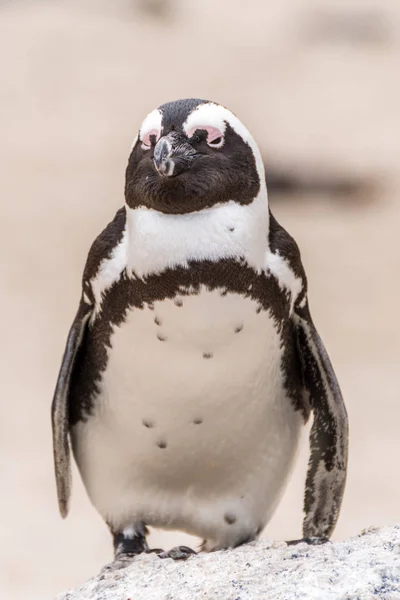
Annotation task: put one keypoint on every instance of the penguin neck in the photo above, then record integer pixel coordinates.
(157, 241)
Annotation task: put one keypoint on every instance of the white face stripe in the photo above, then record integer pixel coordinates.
(208, 117)
(153, 121)
(215, 115)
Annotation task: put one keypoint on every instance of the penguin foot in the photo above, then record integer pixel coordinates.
(121, 562)
(127, 545)
(178, 553)
(311, 541)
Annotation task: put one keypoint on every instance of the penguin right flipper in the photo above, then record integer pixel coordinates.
(60, 408)
(101, 250)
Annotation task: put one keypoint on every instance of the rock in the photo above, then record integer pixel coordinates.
(366, 567)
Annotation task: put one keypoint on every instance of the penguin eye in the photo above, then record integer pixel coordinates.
(217, 142)
(213, 136)
(150, 139)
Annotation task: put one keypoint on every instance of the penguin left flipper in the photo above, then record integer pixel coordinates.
(326, 476)
(60, 408)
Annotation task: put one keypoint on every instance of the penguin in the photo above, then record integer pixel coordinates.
(193, 364)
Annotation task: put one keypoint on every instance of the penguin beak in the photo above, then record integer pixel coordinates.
(173, 155)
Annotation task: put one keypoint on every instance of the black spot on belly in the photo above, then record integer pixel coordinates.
(225, 275)
(238, 329)
(208, 355)
(162, 444)
(148, 423)
(178, 302)
(162, 338)
(230, 518)
(157, 320)
(231, 229)
(197, 421)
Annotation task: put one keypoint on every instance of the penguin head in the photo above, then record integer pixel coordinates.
(191, 155)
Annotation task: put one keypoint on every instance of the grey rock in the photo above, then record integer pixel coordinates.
(366, 567)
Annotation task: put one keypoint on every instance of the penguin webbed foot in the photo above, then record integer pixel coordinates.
(124, 559)
(178, 553)
(132, 542)
(120, 562)
(127, 545)
(311, 541)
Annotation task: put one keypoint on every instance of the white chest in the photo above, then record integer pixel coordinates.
(192, 420)
(191, 355)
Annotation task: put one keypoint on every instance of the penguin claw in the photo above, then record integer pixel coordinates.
(178, 553)
(311, 541)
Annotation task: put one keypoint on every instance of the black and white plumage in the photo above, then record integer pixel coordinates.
(193, 363)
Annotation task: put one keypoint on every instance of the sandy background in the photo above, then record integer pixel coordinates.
(318, 83)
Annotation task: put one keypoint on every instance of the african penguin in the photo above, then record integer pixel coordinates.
(193, 363)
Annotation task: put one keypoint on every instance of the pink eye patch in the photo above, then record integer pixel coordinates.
(213, 133)
(146, 140)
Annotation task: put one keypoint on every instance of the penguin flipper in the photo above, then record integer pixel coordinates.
(60, 408)
(327, 467)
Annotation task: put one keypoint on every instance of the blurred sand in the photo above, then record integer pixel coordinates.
(76, 80)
